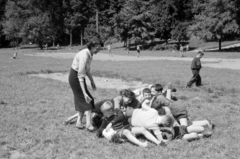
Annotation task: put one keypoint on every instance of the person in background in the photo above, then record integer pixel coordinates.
(196, 67)
(181, 50)
(138, 50)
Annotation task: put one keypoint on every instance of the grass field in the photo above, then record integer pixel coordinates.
(32, 110)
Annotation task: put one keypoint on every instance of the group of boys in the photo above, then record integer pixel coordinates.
(159, 119)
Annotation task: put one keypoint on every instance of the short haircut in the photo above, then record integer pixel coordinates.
(146, 90)
(167, 121)
(116, 139)
(106, 106)
(127, 93)
(200, 53)
(157, 87)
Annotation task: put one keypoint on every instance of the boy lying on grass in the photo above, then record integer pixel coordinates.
(150, 120)
(155, 90)
(190, 131)
(117, 125)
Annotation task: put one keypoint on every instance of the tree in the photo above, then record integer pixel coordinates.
(76, 16)
(214, 21)
(134, 21)
(14, 21)
(171, 18)
(2, 12)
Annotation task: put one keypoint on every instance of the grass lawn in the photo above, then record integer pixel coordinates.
(33, 108)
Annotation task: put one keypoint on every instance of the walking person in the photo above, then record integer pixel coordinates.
(83, 100)
(138, 50)
(109, 50)
(195, 67)
(181, 50)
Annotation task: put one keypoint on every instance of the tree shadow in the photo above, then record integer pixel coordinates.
(232, 49)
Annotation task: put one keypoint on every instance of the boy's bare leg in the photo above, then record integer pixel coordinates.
(71, 118)
(183, 121)
(201, 123)
(147, 134)
(190, 137)
(133, 139)
(195, 129)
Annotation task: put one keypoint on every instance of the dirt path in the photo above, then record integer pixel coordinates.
(210, 62)
(107, 83)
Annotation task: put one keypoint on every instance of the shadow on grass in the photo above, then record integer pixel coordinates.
(46, 71)
(224, 50)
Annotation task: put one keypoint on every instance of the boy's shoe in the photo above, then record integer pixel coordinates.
(169, 86)
(65, 123)
(173, 90)
(211, 126)
(207, 134)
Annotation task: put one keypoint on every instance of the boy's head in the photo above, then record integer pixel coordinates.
(200, 54)
(156, 89)
(115, 138)
(147, 93)
(165, 121)
(107, 108)
(128, 96)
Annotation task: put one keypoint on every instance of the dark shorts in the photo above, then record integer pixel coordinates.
(178, 110)
(120, 131)
(179, 131)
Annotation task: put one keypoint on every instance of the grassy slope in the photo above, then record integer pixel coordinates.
(32, 110)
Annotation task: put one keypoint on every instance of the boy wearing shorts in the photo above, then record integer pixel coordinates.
(116, 120)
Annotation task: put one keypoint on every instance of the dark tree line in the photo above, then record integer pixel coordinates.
(76, 21)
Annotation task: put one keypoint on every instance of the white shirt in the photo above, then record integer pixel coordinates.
(148, 119)
(81, 63)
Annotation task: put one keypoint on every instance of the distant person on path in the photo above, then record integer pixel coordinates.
(138, 50)
(58, 47)
(46, 46)
(195, 67)
(15, 55)
(181, 50)
(127, 47)
(109, 50)
(82, 98)
(187, 48)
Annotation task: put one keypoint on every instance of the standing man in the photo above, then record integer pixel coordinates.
(195, 67)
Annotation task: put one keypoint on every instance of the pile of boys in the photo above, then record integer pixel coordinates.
(152, 112)
(160, 118)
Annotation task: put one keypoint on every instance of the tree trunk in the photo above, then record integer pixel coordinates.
(220, 44)
(97, 20)
(81, 37)
(53, 44)
(70, 38)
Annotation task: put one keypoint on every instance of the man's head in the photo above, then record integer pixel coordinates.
(156, 89)
(107, 109)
